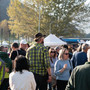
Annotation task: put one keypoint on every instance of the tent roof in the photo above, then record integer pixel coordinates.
(88, 42)
(52, 40)
(70, 40)
(4, 43)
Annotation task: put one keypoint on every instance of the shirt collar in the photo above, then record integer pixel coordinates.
(38, 44)
(87, 63)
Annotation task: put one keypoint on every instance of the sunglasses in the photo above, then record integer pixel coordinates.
(52, 51)
(66, 53)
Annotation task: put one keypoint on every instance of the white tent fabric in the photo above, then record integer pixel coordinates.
(52, 40)
(82, 42)
(88, 42)
(4, 43)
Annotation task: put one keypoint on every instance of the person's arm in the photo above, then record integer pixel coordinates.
(27, 54)
(58, 69)
(33, 83)
(6, 69)
(47, 63)
(73, 60)
(71, 82)
(64, 67)
(10, 81)
(13, 56)
(49, 74)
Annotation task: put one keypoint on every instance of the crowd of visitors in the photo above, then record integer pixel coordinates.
(37, 67)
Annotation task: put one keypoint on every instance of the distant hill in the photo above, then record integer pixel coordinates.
(87, 35)
(3, 9)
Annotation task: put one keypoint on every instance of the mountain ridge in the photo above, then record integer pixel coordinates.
(3, 9)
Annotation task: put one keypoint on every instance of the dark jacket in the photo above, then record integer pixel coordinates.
(79, 58)
(22, 52)
(80, 78)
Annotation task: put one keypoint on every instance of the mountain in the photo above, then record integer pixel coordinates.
(3, 9)
(87, 35)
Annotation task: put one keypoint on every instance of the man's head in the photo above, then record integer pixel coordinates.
(23, 44)
(88, 55)
(14, 46)
(57, 49)
(65, 46)
(2, 48)
(85, 47)
(39, 38)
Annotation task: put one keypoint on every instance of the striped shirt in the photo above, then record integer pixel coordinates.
(39, 59)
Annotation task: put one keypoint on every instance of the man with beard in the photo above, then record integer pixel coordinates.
(38, 56)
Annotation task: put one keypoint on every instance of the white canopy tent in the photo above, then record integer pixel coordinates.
(82, 42)
(4, 43)
(52, 40)
(88, 42)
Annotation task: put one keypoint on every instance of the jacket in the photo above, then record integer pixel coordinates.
(80, 78)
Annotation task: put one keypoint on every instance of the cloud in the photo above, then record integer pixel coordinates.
(87, 2)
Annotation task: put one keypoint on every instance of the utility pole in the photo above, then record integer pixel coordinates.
(1, 35)
(9, 37)
(18, 38)
(39, 18)
(50, 29)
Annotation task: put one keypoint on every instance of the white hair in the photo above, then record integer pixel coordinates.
(88, 55)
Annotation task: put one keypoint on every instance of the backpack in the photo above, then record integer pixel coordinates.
(2, 70)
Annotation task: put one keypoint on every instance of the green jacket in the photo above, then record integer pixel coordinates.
(80, 78)
(2, 70)
(4, 56)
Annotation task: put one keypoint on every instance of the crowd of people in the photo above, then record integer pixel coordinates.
(38, 67)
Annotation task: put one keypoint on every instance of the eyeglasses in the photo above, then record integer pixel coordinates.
(66, 53)
(52, 51)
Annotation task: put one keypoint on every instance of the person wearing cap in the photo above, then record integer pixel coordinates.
(38, 56)
(23, 47)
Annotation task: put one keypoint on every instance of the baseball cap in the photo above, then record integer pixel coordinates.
(38, 36)
(23, 41)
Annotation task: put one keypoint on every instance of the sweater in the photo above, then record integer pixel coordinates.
(58, 66)
(22, 81)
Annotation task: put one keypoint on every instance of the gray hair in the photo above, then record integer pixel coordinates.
(85, 46)
(88, 55)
